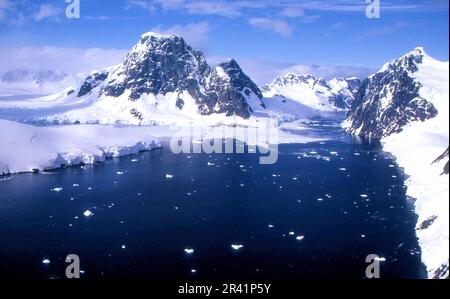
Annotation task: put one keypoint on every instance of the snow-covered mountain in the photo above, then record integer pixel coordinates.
(22, 82)
(161, 81)
(161, 66)
(334, 95)
(406, 105)
(390, 99)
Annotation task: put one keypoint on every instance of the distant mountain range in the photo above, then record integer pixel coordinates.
(334, 95)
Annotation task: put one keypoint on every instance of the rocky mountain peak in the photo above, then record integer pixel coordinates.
(162, 64)
(390, 99)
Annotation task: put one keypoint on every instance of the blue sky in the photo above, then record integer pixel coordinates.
(283, 32)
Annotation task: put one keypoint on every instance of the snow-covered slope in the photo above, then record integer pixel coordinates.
(162, 81)
(25, 148)
(318, 94)
(406, 104)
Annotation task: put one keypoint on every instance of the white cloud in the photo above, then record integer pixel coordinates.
(275, 25)
(389, 28)
(293, 12)
(144, 4)
(47, 11)
(6, 7)
(290, 8)
(195, 34)
(68, 60)
(338, 26)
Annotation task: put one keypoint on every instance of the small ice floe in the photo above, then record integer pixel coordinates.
(270, 226)
(46, 261)
(320, 199)
(237, 246)
(291, 233)
(193, 271)
(242, 185)
(189, 251)
(124, 246)
(295, 178)
(364, 195)
(342, 169)
(134, 160)
(313, 153)
(380, 259)
(363, 236)
(75, 185)
(120, 172)
(210, 164)
(169, 176)
(88, 213)
(328, 196)
(89, 188)
(394, 176)
(299, 238)
(391, 166)
(357, 154)
(57, 189)
(334, 153)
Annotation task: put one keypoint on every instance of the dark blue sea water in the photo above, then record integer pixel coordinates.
(344, 196)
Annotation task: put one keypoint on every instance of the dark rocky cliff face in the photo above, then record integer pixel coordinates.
(389, 100)
(161, 64)
(445, 155)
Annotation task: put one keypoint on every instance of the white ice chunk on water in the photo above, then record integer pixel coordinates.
(88, 213)
(169, 176)
(134, 160)
(210, 164)
(343, 169)
(299, 238)
(364, 195)
(237, 246)
(123, 246)
(320, 199)
(380, 259)
(46, 261)
(75, 185)
(291, 233)
(189, 250)
(57, 189)
(271, 226)
(120, 172)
